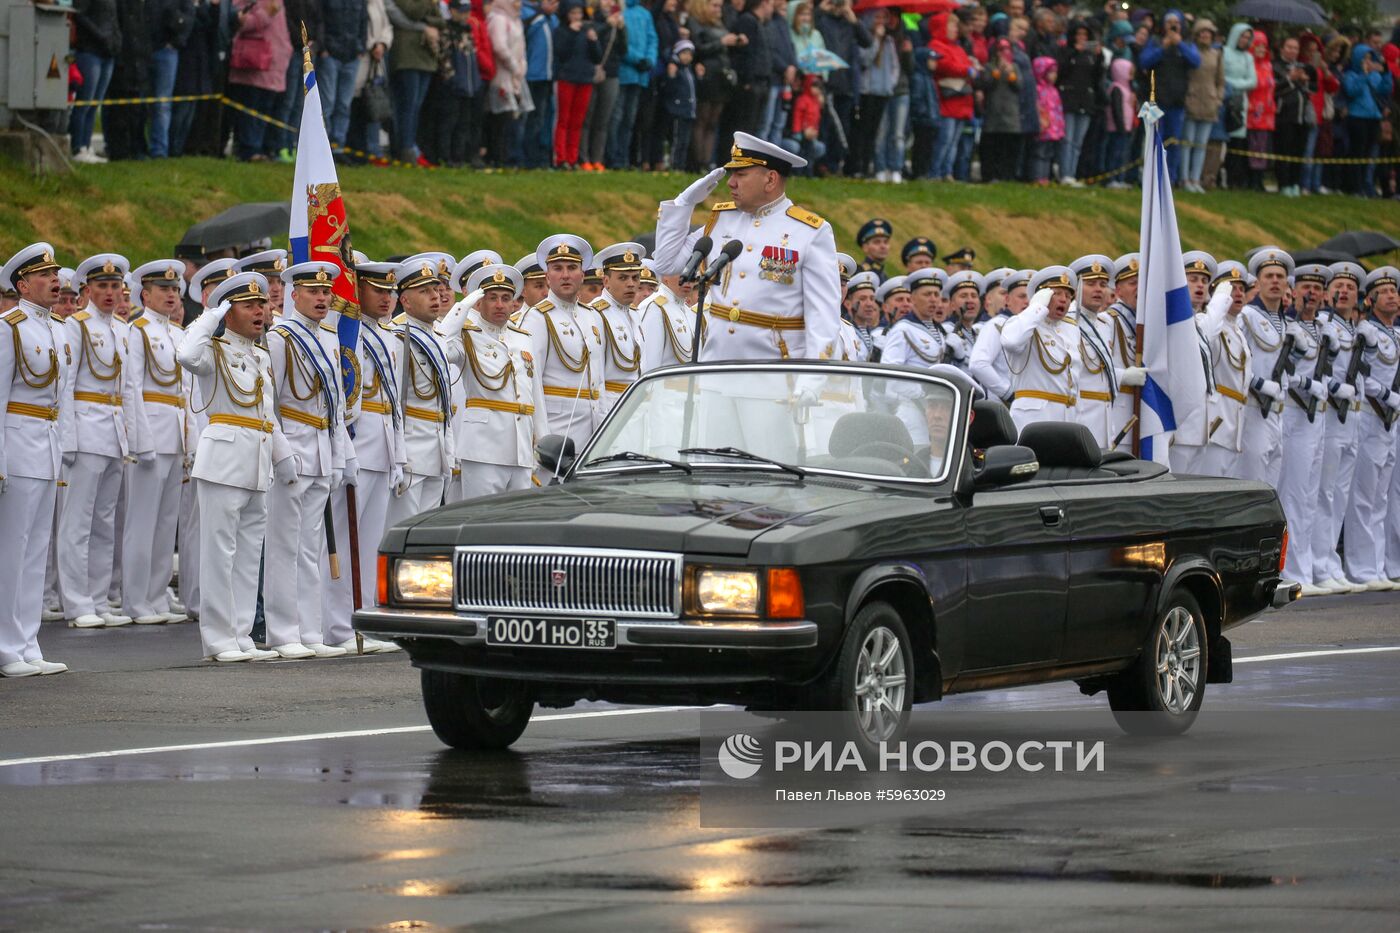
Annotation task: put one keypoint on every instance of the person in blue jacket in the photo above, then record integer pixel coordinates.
(1172, 58)
(633, 76)
(541, 19)
(1368, 87)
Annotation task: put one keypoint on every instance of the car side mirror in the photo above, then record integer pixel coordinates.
(556, 452)
(1005, 465)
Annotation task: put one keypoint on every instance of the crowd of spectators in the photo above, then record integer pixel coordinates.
(996, 92)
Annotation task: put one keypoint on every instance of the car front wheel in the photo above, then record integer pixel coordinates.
(474, 713)
(873, 680)
(1163, 690)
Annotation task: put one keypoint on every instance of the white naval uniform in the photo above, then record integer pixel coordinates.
(33, 370)
(852, 347)
(1339, 440)
(1373, 496)
(1231, 404)
(667, 328)
(504, 416)
(1042, 357)
(98, 443)
(234, 453)
(921, 345)
(379, 445)
(1120, 322)
(986, 363)
(781, 298)
(566, 340)
(960, 341)
(1302, 457)
(1262, 458)
(429, 449)
(622, 350)
(1095, 377)
(337, 593)
(310, 402)
(154, 407)
(1191, 439)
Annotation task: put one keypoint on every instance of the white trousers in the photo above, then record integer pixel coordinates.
(1333, 494)
(1392, 517)
(1262, 455)
(423, 493)
(372, 496)
(1187, 458)
(114, 575)
(1095, 415)
(1297, 488)
(1364, 527)
(337, 596)
(26, 522)
(292, 569)
(489, 479)
(52, 600)
(1023, 415)
(87, 532)
(189, 545)
(1219, 461)
(148, 546)
(231, 537)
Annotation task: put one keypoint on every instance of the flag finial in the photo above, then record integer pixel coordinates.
(1151, 93)
(305, 50)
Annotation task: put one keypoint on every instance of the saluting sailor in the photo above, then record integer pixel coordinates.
(986, 362)
(236, 454)
(504, 416)
(1122, 343)
(1229, 407)
(622, 339)
(1042, 350)
(667, 324)
(1266, 328)
(94, 449)
(1375, 502)
(566, 340)
(33, 364)
(1097, 380)
(270, 264)
(781, 297)
(311, 409)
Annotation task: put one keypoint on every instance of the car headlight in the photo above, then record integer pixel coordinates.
(727, 591)
(423, 581)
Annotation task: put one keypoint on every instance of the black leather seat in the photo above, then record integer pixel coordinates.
(858, 429)
(991, 425)
(1066, 451)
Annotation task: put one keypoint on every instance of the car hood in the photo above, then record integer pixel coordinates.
(707, 513)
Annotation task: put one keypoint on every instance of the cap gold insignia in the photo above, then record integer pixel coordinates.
(629, 256)
(390, 277)
(254, 288)
(1096, 268)
(426, 270)
(278, 265)
(498, 276)
(321, 276)
(108, 267)
(735, 152)
(170, 273)
(442, 267)
(48, 256)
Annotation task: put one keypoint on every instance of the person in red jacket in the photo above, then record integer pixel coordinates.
(1319, 142)
(803, 136)
(954, 74)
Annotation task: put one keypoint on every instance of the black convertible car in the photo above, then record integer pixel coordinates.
(800, 536)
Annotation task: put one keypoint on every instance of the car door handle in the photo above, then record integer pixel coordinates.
(1051, 515)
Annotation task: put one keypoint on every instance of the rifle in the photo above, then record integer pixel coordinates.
(1391, 414)
(1284, 364)
(1357, 366)
(1322, 371)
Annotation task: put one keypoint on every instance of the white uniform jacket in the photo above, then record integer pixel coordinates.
(378, 439)
(1231, 404)
(987, 363)
(427, 425)
(95, 385)
(566, 340)
(310, 394)
(504, 416)
(667, 329)
(154, 387)
(622, 349)
(33, 372)
(1042, 357)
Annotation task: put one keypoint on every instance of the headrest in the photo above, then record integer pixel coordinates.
(858, 428)
(991, 425)
(1062, 444)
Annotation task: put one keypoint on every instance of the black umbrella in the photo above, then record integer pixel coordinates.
(1362, 243)
(240, 225)
(1280, 11)
(1319, 255)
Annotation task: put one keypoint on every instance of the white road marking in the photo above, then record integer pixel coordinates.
(589, 714)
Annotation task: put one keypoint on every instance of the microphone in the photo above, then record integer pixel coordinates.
(692, 265)
(731, 251)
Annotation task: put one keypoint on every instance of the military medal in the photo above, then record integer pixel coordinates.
(778, 264)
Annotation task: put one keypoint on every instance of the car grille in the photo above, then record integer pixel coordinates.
(569, 581)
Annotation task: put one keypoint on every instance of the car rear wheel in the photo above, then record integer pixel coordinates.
(873, 679)
(473, 713)
(1163, 690)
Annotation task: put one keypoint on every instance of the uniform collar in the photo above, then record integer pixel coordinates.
(419, 325)
(560, 302)
(613, 302)
(491, 330)
(303, 320)
(767, 210)
(238, 340)
(670, 296)
(155, 316)
(30, 307)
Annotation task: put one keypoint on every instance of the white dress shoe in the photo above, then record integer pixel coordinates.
(151, 620)
(260, 654)
(115, 619)
(1377, 585)
(327, 651)
(52, 615)
(381, 647)
(228, 657)
(292, 652)
(49, 667)
(174, 616)
(176, 606)
(20, 669)
(351, 648)
(87, 620)
(1310, 589)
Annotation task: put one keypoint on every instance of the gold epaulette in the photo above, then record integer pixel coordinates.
(15, 317)
(141, 322)
(516, 317)
(715, 211)
(400, 317)
(600, 304)
(470, 326)
(802, 215)
(82, 316)
(325, 326)
(518, 329)
(545, 305)
(384, 325)
(724, 206)
(659, 299)
(220, 339)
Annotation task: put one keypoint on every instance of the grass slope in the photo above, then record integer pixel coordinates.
(141, 209)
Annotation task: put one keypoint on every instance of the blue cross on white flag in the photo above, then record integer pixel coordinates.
(1176, 382)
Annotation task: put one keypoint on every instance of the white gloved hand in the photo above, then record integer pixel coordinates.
(806, 397)
(455, 319)
(1392, 401)
(1271, 389)
(700, 190)
(1345, 391)
(395, 476)
(1318, 390)
(337, 478)
(148, 456)
(1041, 299)
(1295, 330)
(284, 471)
(1134, 377)
(401, 486)
(1221, 299)
(352, 471)
(218, 311)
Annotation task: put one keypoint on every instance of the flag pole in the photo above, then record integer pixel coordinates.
(1142, 266)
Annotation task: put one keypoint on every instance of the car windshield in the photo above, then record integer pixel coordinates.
(794, 421)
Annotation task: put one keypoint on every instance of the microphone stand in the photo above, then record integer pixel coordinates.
(702, 288)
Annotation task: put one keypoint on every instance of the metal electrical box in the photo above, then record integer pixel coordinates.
(34, 48)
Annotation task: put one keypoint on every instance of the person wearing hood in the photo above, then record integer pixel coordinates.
(679, 99)
(1052, 118)
(1240, 80)
(1205, 92)
(923, 113)
(1001, 113)
(956, 70)
(1294, 84)
(1171, 59)
(1259, 119)
(1120, 118)
(1319, 142)
(1080, 76)
(1366, 83)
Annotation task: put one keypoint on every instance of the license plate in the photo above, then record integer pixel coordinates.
(551, 633)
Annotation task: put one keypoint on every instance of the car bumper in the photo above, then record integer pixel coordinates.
(1286, 593)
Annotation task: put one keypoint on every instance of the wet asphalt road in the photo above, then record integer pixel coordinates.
(592, 821)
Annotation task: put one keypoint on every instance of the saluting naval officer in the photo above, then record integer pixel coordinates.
(1042, 349)
(566, 340)
(666, 324)
(504, 415)
(962, 305)
(1097, 380)
(1229, 406)
(987, 363)
(310, 396)
(1374, 502)
(865, 316)
(153, 404)
(33, 368)
(95, 447)
(270, 263)
(237, 453)
(621, 358)
(781, 297)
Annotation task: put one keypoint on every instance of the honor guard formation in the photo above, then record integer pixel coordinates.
(140, 449)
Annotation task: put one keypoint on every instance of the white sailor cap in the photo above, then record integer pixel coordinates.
(566, 247)
(649, 271)
(863, 280)
(1197, 260)
(529, 266)
(211, 274)
(1017, 278)
(966, 278)
(66, 280)
(1312, 272)
(892, 286)
(1267, 256)
(381, 275)
(102, 266)
(243, 286)
(1385, 275)
(749, 151)
(443, 263)
(1053, 277)
(268, 262)
(925, 278)
(311, 273)
(415, 272)
(1348, 270)
(497, 275)
(37, 257)
(1126, 267)
(1093, 266)
(1231, 270)
(995, 278)
(469, 264)
(847, 265)
(160, 272)
(621, 257)
(359, 258)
